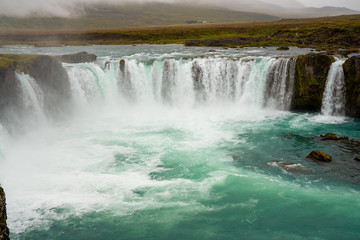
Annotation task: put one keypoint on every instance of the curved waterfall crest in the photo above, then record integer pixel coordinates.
(251, 82)
(248, 81)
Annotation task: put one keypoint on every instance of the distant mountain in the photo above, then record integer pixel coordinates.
(286, 3)
(283, 8)
(326, 11)
(134, 15)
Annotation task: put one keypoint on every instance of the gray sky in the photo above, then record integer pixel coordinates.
(60, 7)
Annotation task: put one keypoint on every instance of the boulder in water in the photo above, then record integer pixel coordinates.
(357, 159)
(80, 57)
(329, 136)
(4, 230)
(283, 48)
(332, 137)
(319, 156)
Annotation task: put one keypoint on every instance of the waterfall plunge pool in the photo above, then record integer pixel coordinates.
(175, 144)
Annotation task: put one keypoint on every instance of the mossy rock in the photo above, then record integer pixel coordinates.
(283, 48)
(80, 57)
(310, 78)
(332, 137)
(50, 76)
(352, 82)
(319, 156)
(18, 61)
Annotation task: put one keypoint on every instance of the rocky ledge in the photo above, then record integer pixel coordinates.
(352, 83)
(49, 75)
(4, 230)
(310, 78)
(80, 57)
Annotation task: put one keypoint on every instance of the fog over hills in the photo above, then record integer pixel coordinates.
(66, 8)
(95, 14)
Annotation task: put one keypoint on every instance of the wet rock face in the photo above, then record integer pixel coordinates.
(49, 75)
(80, 57)
(352, 83)
(319, 156)
(53, 80)
(9, 97)
(310, 78)
(4, 230)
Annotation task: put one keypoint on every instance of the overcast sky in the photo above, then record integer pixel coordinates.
(60, 7)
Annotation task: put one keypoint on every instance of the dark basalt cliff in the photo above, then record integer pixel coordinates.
(50, 76)
(352, 83)
(310, 78)
(4, 230)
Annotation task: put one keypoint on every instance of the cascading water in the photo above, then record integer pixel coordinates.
(280, 83)
(32, 97)
(256, 82)
(177, 146)
(333, 103)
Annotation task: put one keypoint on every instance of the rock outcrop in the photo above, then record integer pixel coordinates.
(283, 48)
(332, 137)
(310, 78)
(80, 57)
(49, 75)
(352, 83)
(4, 230)
(319, 156)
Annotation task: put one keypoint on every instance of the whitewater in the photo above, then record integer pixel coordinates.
(169, 142)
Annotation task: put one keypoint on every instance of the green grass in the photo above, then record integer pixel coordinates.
(326, 33)
(20, 61)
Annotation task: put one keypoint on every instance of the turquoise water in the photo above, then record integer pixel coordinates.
(151, 171)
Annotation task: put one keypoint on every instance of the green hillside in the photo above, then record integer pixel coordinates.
(139, 15)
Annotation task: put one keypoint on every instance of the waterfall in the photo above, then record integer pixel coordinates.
(280, 83)
(333, 103)
(32, 97)
(90, 82)
(186, 82)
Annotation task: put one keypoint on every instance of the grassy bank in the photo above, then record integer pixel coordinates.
(332, 32)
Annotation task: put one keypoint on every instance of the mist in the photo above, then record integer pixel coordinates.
(67, 8)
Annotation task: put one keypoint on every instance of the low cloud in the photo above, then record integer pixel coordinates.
(67, 8)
